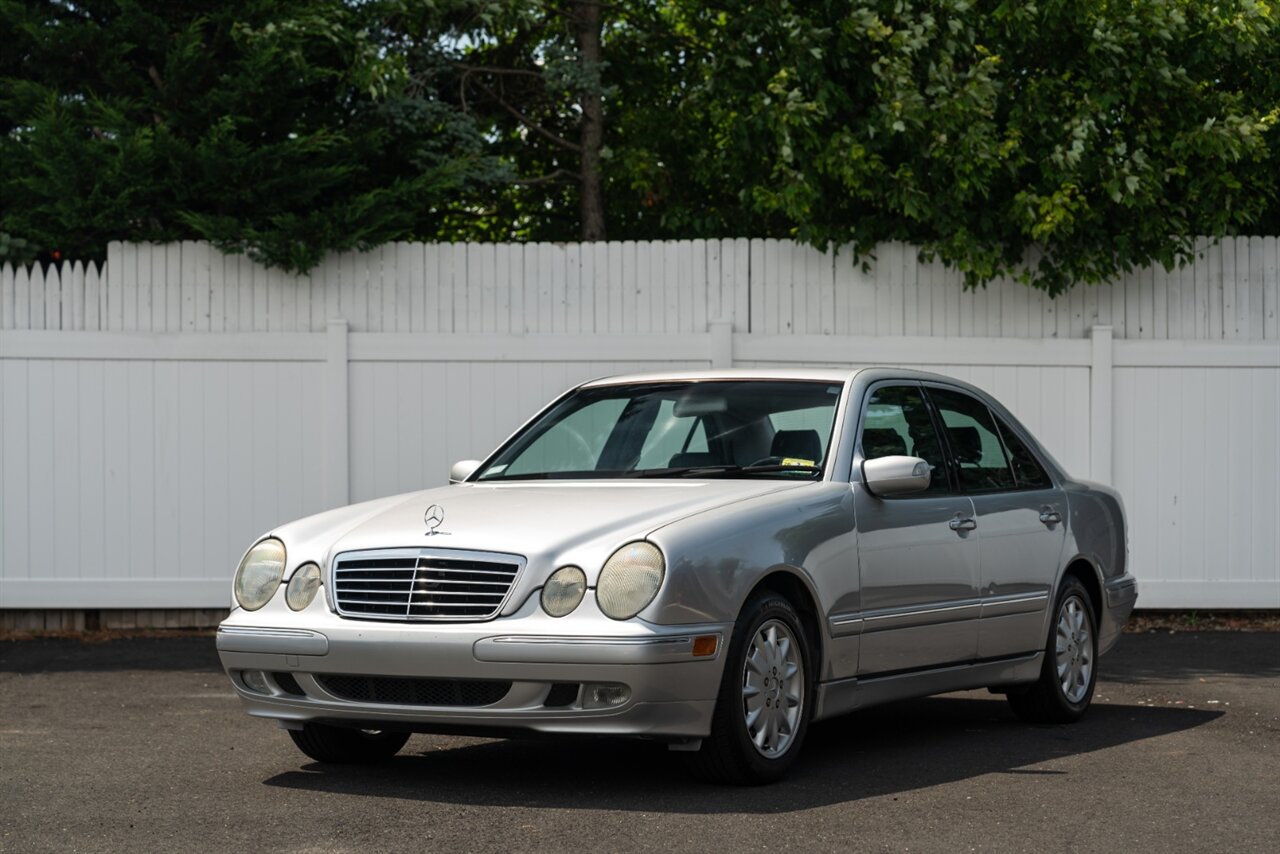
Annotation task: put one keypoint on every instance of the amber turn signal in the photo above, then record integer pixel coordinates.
(704, 645)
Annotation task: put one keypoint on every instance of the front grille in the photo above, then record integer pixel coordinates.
(423, 584)
(415, 692)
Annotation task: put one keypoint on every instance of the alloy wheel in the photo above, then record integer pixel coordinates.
(1074, 650)
(773, 688)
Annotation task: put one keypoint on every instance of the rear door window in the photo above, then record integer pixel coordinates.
(976, 449)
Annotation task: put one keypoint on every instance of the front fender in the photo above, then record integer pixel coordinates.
(717, 558)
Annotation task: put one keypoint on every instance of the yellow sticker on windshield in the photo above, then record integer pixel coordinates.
(795, 461)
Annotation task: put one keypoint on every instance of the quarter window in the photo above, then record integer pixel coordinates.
(897, 423)
(1026, 468)
(975, 444)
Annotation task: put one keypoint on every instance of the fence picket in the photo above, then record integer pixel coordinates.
(52, 297)
(35, 298)
(1271, 289)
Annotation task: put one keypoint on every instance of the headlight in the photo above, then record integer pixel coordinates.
(302, 586)
(630, 579)
(564, 590)
(259, 574)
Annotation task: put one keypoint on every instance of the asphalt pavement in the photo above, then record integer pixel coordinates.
(140, 745)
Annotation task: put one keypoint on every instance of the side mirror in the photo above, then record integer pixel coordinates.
(462, 470)
(888, 476)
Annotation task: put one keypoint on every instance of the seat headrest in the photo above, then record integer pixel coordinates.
(797, 444)
(882, 442)
(966, 444)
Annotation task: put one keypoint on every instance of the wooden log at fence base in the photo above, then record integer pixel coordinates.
(112, 619)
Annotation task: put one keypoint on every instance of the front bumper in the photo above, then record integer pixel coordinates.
(671, 692)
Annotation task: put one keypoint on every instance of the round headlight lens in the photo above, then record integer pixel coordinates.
(259, 574)
(630, 579)
(564, 590)
(302, 586)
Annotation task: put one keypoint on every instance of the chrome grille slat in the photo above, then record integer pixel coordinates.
(429, 593)
(422, 584)
(348, 585)
(466, 571)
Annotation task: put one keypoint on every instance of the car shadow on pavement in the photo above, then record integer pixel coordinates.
(883, 751)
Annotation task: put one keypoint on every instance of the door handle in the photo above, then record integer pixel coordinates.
(1050, 517)
(958, 524)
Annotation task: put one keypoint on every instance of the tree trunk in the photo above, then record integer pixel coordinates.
(586, 26)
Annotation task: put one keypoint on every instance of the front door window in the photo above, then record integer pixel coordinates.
(897, 423)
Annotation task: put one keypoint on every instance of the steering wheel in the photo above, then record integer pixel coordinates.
(767, 461)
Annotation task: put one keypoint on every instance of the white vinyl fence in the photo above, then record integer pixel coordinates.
(159, 414)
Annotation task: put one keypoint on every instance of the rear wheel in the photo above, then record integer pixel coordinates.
(1065, 687)
(763, 708)
(325, 743)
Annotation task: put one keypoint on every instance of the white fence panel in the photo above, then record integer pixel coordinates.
(1197, 457)
(132, 481)
(159, 411)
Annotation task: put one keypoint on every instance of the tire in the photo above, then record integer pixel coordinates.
(768, 642)
(343, 746)
(1065, 688)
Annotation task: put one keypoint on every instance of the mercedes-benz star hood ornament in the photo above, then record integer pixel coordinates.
(434, 517)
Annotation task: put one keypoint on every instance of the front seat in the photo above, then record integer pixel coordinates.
(882, 442)
(797, 445)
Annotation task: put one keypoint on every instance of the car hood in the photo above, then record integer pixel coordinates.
(536, 519)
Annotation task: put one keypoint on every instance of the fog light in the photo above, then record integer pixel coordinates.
(256, 681)
(604, 695)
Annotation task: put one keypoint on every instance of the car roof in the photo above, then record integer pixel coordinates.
(837, 375)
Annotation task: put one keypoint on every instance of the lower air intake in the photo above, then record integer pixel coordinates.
(415, 692)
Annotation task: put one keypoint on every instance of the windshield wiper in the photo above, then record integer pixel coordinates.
(681, 471)
(731, 470)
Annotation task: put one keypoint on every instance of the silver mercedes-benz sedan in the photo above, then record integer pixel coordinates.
(711, 560)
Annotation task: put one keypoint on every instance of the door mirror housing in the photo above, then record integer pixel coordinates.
(889, 476)
(462, 470)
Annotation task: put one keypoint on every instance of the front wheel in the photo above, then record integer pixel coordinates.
(343, 746)
(763, 708)
(1065, 687)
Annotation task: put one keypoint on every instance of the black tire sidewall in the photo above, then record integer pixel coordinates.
(1072, 587)
(344, 746)
(758, 611)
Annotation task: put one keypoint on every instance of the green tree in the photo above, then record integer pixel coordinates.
(281, 130)
(1100, 135)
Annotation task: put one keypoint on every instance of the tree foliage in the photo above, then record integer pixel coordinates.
(1081, 136)
(1089, 136)
(283, 130)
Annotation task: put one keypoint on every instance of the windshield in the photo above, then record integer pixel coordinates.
(721, 428)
